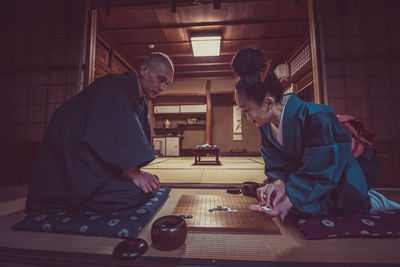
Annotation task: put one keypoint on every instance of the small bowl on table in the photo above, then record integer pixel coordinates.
(168, 232)
(250, 188)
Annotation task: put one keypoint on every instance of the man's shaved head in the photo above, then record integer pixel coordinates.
(156, 73)
(157, 58)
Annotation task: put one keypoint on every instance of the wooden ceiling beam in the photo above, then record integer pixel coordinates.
(197, 61)
(211, 75)
(203, 24)
(187, 61)
(183, 61)
(133, 57)
(203, 71)
(197, 68)
(192, 61)
(223, 41)
(163, 3)
(226, 53)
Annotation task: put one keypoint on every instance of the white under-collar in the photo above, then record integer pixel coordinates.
(277, 131)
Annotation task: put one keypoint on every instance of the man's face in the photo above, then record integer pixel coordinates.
(155, 79)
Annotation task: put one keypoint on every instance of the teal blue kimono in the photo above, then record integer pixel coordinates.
(90, 141)
(322, 176)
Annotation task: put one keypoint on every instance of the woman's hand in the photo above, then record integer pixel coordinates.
(271, 194)
(147, 182)
(281, 209)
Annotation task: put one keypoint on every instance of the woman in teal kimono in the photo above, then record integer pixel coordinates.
(307, 152)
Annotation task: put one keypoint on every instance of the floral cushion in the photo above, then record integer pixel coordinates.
(378, 224)
(126, 223)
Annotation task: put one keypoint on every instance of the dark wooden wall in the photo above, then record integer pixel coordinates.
(40, 69)
(107, 59)
(361, 41)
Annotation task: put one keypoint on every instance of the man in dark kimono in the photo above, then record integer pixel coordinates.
(96, 143)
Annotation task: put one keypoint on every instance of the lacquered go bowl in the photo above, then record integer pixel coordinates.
(250, 188)
(168, 232)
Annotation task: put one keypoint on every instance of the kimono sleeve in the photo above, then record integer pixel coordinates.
(324, 160)
(113, 130)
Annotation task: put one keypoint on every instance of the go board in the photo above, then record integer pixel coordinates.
(243, 220)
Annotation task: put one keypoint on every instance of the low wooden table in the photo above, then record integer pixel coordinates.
(203, 152)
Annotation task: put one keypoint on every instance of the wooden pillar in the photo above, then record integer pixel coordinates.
(82, 72)
(318, 65)
(208, 114)
(91, 48)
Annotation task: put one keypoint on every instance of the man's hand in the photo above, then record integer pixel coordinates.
(281, 209)
(144, 180)
(271, 194)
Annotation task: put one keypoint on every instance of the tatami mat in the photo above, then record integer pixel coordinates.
(189, 166)
(290, 246)
(232, 170)
(230, 176)
(178, 176)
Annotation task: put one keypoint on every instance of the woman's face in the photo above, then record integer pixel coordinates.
(258, 115)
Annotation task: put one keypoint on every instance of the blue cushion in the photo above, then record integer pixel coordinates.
(125, 223)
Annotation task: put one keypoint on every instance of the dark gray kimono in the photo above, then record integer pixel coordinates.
(91, 139)
(322, 176)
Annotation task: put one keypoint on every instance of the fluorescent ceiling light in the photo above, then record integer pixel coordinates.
(206, 46)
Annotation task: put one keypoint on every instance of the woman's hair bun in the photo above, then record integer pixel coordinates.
(247, 61)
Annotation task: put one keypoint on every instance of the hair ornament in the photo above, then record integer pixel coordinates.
(267, 66)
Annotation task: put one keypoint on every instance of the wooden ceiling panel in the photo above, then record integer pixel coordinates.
(281, 10)
(176, 35)
(136, 36)
(274, 26)
(271, 45)
(234, 31)
(289, 28)
(289, 9)
(202, 13)
(239, 12)
(171, 50)
(284, 29)
(128, 17)
(165, 16)
(266, 9)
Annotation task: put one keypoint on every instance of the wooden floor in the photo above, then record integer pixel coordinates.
(202, 249)
(18, 248)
